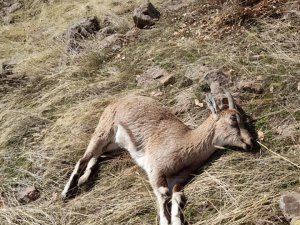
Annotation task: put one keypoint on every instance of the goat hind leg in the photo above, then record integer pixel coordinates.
(84, 166)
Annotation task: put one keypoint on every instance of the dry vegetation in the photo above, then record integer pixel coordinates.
(47, 117)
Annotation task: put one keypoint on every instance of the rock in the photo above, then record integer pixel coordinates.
(5, 3)
(80, 30)
(290, 206)
(145, 15)
(217, 80)
(14, 7)
(156, 93)
(8, 19)
(167, 80)
(7, 67)
(185, 82)
(198, 103)
(183, 101)
(150, 76)
(133, 33)
(285, 130)
(252, 86)
(105, 32)
(197, 72)
(28, 194)
(113, 42)
(298, 86)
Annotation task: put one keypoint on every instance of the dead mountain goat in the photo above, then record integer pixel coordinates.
(167, 149)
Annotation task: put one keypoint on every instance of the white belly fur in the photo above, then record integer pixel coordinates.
(124, 141)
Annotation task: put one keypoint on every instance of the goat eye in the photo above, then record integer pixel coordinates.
(233, 118)
(234, 121)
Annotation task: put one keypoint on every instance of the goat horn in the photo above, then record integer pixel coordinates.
(230, 99)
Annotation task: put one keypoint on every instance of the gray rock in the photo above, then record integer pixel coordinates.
(290, 205)
(197, 71)
(151, 76)
(80, 30)
(14, 7)
(167, 80)
(7, 67)
(145, 15)
(133, 33)
(28, 194)
(113, 42)
(185, 82)
(251, 86)
(8, 19)
(5, 3)
(217, 80)
(106, 31)
(183, 101)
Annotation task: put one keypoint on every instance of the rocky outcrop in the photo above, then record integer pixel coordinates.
(112, 43)
(80, 30)
(145, 15)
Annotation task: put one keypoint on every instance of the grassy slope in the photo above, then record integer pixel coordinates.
(46, 123)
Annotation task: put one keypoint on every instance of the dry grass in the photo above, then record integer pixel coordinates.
(46, 123)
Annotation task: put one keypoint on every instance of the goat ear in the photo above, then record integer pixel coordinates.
(211, 103)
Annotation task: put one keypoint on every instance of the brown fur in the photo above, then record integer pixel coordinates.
(170, 149)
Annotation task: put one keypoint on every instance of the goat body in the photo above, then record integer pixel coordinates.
(161, 144)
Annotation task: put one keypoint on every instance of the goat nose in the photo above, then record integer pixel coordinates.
(252, 141)
(248, 147)
(249, 143)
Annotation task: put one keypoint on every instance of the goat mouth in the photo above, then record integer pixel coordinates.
(244, 148)
(248, 147)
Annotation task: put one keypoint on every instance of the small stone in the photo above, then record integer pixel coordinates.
(298, 87)
(7, 67)
(28, 194)
(185, 82)
(8, 19)
(105, 32)
(255, 57)
(151, 76)
(290, 205)
(255, 87)
(133, 33)
(14, 7)
(197, 71)
(145, 15)
(183, 101)
(198, 103)
(113, 42)
(217, 80)
(170, 79)
(156, 93)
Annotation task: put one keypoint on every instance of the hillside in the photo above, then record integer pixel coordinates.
(52, 94)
